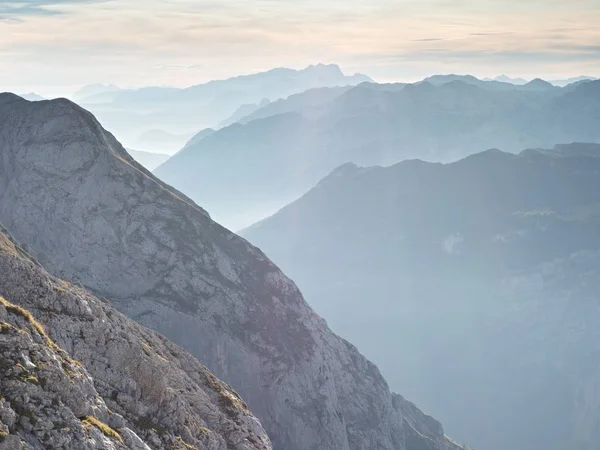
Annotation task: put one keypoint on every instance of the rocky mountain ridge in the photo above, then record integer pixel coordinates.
(85, 376)
(90, 214)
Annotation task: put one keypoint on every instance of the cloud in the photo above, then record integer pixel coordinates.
(178, 66)
(491, 33)
(13, 10)
(427, 40)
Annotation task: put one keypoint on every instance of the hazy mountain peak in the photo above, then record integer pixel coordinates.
(443, 79)
(32, 97)
(325, 69)
(538, 83)
(94, 89)
(565, 82)
(506, 79)
(425, 85)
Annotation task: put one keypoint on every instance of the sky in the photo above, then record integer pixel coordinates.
(53, 47)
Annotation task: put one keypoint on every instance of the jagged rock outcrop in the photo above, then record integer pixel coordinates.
(151, 392)
(47, 399)
(91, 215)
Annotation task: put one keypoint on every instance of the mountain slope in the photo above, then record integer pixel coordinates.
(126, 386)
(506, 79)
(243, 111)
(34, 373)
(309, 102)
(91, 214)
(246, 172)
(568, 81)
(148, 159)
(482, 285)
(92, 90)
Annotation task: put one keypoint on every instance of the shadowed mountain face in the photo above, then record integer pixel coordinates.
(132, 113)
(473, 285)
(246, 172)
(91, 214)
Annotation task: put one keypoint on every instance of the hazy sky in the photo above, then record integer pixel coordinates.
(54, 46)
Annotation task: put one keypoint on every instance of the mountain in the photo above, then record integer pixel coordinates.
(93, 216)
(565, 82)
(473, 285)
(75, 373)
(246, 172)
(505, 79)
(538, 84)
(132, 112)
(199, 136)
(499, 83)
(243, 111)
(87, 92)
(310, 103)
(32, 97)
(439, 80)
(148, 159)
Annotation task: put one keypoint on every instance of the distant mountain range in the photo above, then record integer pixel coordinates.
(129, 113)
(533, 85)
(250, 169)
(505, 79)
(92, 91)
(474, 285)
(568, 81)
(559, 83)
(32, 97)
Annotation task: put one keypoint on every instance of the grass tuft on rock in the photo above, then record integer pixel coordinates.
(19, 310)
(91, 421)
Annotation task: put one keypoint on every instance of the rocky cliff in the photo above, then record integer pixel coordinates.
(48, 400)
(92, 215)
(75, 373)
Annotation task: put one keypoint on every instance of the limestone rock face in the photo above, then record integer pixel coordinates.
(47, 398)
(93, 216)
(66, 356)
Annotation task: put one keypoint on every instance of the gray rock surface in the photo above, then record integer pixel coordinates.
(154, 394)
(93, 216)
(46, 397)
